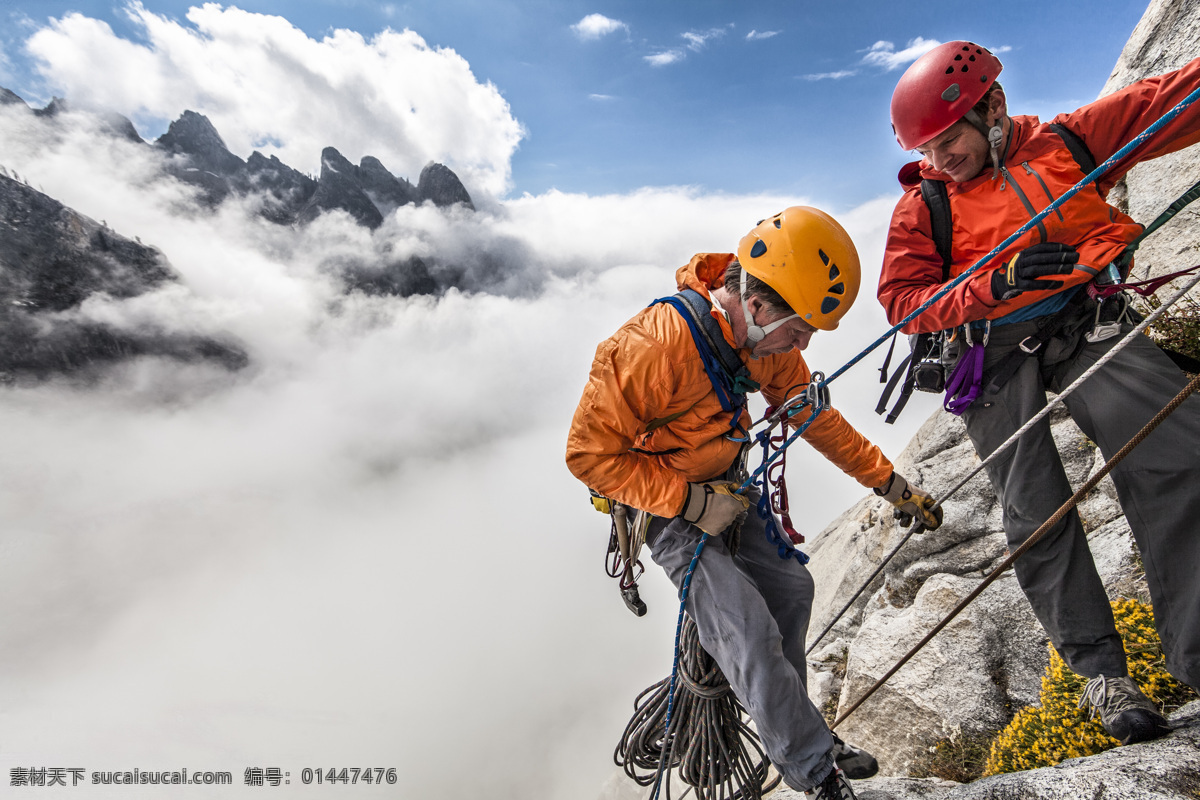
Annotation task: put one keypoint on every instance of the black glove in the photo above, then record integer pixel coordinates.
(1022, 272)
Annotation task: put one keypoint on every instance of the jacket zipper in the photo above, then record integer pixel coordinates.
(1031, 171)
(1024, 200)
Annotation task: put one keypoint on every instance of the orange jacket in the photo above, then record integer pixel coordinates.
(985, 212)
(649, 371)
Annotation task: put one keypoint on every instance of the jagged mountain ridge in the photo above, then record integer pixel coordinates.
(53, 259)
(199, 157)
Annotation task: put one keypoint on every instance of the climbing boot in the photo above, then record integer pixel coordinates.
(1125, 712)
(834, 787)
(857, 764)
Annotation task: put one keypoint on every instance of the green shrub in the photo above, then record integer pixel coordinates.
(1059, 729)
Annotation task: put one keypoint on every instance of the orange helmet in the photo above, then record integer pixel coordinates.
(808, 259)
(939, 89)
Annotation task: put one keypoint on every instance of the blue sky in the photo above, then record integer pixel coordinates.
(739, 109)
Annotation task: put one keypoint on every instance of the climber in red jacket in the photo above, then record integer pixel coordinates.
(1040, 329)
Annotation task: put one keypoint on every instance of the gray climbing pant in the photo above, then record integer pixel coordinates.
(751, 612)
(1158, 485)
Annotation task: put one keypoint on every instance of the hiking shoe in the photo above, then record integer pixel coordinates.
(857, 764)
(834, 787)
(1125, 712)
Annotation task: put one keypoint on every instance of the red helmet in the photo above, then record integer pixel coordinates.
(939, 89)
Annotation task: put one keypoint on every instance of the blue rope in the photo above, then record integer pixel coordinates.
(683, 595)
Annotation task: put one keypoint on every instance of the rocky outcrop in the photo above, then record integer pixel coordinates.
(8, 98)
(339, 188)
(281, 190)
(384, 189)
(1165, 39)
(1166, 769)
(439, 185)
(51, 261)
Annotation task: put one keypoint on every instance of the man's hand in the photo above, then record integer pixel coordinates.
(1024, 271)
(910, 501)
(712, 507)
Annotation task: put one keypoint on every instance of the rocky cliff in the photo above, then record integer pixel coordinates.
(51, 261)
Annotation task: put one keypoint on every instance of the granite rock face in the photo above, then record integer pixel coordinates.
(1165, 39)
(51, 261)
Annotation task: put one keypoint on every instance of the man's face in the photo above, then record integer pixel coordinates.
(960, 151)
(793, 334)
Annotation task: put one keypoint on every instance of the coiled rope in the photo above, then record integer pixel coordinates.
(710, 742)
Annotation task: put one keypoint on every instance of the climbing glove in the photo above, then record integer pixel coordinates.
(1025, 271)
(910, 501)
(712, 507)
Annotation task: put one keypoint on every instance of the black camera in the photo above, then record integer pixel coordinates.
(929, 376)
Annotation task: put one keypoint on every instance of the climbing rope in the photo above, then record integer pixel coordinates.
(709, 743)
(1054, 519)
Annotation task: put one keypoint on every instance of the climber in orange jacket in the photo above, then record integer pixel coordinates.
(655, 432)
(1030, 321)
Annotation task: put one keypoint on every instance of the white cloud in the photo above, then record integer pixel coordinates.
(696, 40)
(754, 36)
(830, 76)
(597, 26)
(884, 53)
(664, 58)
(601, 97)
(261, 79)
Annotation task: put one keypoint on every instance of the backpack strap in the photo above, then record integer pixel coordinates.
(1079, 151)
(729, 375)
(941, 226)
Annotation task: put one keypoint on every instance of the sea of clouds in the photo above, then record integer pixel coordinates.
(364, 549)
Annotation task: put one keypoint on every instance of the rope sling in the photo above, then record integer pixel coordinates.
(717, 761)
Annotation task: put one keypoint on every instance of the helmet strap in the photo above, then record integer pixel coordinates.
(994, 136)
(756, 333)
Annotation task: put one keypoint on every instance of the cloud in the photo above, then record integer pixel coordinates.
(830, 76)
(601, 97)
(597, 26)
(697, 40)
(754, 36)
(884, 53)
(261, 80)
(664, 58)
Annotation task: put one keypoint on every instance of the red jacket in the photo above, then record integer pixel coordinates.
(985, 212)
(649, 421)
